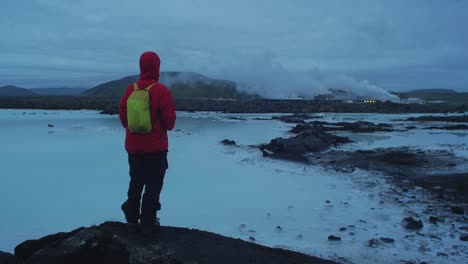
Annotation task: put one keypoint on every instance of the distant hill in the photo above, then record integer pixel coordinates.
(449, 96)
(60, 91)
(15, 91)
(187, 85)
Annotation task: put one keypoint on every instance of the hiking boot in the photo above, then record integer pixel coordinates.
(124, 208)
(132, 224)
(130, 218)
(148, 229)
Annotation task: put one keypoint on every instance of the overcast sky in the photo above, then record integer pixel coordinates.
(397, 45)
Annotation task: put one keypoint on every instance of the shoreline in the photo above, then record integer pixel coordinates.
(110, 105)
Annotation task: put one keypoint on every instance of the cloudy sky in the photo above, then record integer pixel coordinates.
(396, 45)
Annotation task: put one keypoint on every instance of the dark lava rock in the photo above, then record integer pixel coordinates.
(434, 220)
(50, 125)
(406, 167)
(456, 127)
(228, 142)
(342, 229)
(290, 119)
(252, 239)
(7, 258)
(401, 158)
(411, 224)
(294, 148)
(28, 248)
(363, 126)
(112, 243)
(464, 237)
(457, 210)
(334, 238)
(299, 128)
(464, 228)
(442, 254)
(85, 246)
(373, 243)
(357, 127)
(296, 118)
(457, 119)
(387, 240)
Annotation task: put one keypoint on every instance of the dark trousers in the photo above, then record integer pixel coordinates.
(146, 171)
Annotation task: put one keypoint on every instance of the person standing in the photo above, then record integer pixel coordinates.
(147, 112)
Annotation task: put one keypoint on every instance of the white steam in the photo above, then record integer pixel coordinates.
(267, 77)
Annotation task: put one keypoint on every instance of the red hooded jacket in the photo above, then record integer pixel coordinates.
(163, 114)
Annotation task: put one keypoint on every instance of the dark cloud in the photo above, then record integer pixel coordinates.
(275, 46)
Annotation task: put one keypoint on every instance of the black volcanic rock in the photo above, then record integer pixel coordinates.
(411, 224)
(373, 243)
(294, 148)
(228, 142)
(295, 118)
(7, 258)
(455, 119)
(357, 127)
(112, 243)
(299, 128)
(457, 210)
(28, 248)
(455, 127)
(434, 220)
(334, 238)
(387, 240)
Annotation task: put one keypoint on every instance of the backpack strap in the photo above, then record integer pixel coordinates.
(136, 88)
(149, 87)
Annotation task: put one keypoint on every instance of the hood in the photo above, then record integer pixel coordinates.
(149, 66)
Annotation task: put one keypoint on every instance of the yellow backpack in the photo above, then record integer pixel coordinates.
(139, 110)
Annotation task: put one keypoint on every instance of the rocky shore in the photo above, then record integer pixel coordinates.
(110, 242)
(111, 105)
(431, 184)
(435, 170)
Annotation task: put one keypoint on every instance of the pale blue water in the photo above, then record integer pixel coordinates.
(76, 174)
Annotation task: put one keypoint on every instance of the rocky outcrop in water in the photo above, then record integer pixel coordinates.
(295, 148)
(356, 127)
(455, 119)
(228, 142)
(296, 118)
(455, 127)
(435, 170)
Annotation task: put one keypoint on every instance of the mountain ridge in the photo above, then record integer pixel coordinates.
(11, 90)
(182, 85)
(58, 91)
